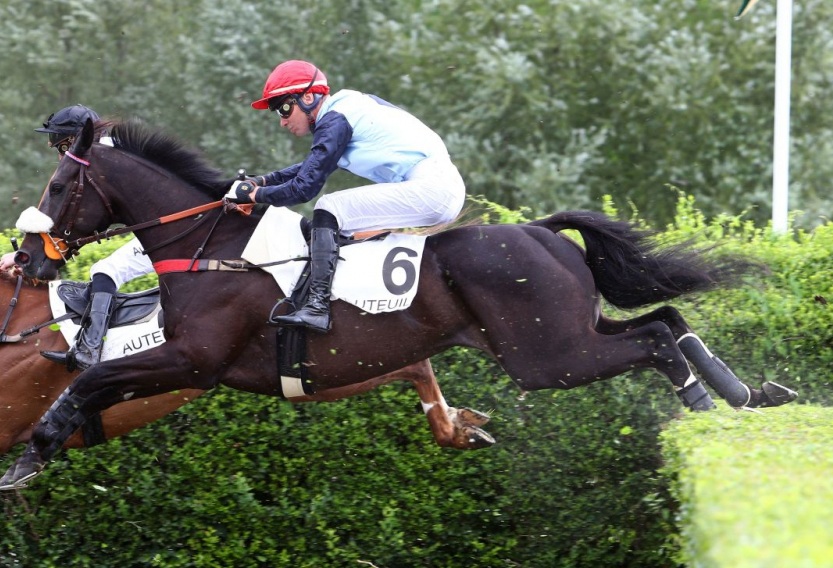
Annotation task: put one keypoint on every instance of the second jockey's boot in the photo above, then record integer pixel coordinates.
(315, 314)
(90, 340)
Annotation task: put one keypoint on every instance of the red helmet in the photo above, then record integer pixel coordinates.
(291, 77)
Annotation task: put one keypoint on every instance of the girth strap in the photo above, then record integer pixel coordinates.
(200, 265)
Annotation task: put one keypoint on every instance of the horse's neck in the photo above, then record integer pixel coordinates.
(150, 193)
(142, 191)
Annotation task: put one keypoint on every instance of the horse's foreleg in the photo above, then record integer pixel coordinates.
(714, 371)
(93, 391)
(127, 416)
(452, 427)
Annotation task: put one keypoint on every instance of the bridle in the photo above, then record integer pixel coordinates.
(59, 248)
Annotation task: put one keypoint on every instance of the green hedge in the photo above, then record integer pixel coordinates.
(755, 488)
(240, 480)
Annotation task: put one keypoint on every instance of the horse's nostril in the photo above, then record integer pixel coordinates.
(21, 258)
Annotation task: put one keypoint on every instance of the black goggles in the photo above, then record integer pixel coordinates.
(282, 106)
(61, 142)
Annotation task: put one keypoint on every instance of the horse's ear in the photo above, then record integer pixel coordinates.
(87, 137)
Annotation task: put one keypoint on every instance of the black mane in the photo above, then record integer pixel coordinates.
(171, 154)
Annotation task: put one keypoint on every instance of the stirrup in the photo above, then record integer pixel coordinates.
(273, 318)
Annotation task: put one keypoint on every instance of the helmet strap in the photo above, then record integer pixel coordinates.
(316, 99)
(308, 108)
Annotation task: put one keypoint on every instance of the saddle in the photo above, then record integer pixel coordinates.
(130, 307)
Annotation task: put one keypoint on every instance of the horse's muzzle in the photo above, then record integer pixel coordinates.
(46, 269)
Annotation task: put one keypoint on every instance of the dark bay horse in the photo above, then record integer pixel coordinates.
(29, 383)
(523, 294)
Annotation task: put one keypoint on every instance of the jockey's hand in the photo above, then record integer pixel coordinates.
(241, 192)
(7, 261)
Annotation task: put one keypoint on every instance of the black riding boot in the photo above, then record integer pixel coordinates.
(315, 314)
(55, 427)
(88, 344)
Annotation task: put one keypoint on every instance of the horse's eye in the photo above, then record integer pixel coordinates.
(56, 188)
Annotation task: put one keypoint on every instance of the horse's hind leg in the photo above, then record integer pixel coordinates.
(452, 427)
(600, 356)
(714, 371)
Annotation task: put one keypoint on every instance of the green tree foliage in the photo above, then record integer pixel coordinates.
(545, 104)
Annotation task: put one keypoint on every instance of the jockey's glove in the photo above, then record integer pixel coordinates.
(240, 191)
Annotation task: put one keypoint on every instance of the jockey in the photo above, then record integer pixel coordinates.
(415, 182)
(124, 264)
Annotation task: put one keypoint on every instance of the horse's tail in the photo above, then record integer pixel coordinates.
(631, 269)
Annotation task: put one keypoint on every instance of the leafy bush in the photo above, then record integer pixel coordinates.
(238, 480)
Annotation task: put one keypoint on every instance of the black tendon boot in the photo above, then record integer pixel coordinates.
(88, 344)
(696, 397)
(315, 314)
(62, 419)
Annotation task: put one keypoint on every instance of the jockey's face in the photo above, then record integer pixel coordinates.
(298, 121)
(60, 142)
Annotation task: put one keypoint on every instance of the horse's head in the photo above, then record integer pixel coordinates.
(147, 180)
(72, 206)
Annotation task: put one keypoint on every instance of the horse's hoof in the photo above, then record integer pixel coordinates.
(27, 467)
(475, 439)
(776, 395)
(473, 417)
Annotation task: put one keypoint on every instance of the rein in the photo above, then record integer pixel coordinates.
(12, 305)
(71, 205)
(78, 243)
(194, 264)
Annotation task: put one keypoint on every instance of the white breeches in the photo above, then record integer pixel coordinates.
(124, 264)
(433, 192)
